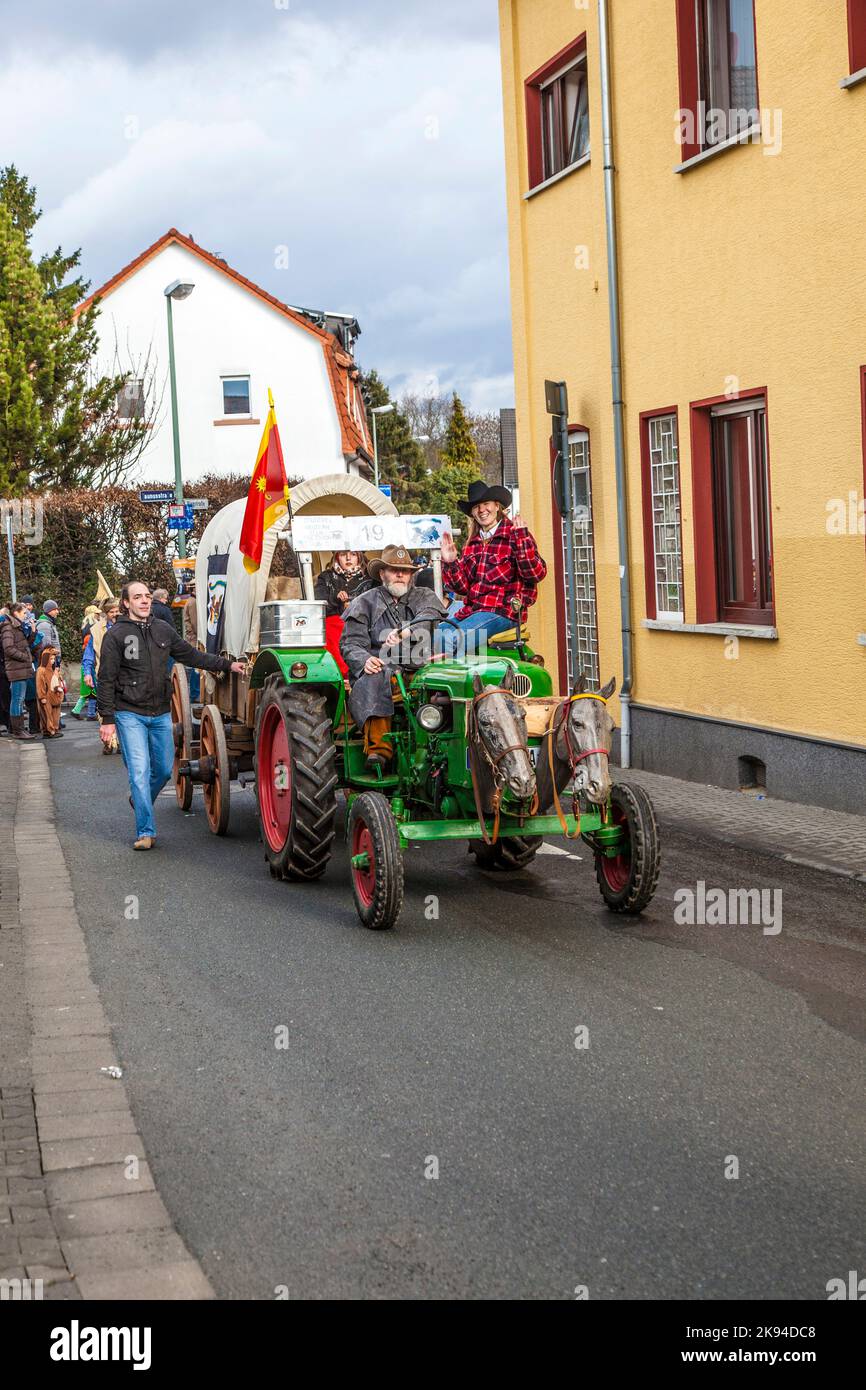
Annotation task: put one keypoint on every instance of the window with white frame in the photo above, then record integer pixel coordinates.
(664, 460)
(236, 395)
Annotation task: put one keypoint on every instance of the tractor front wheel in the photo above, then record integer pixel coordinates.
(377, 861)
(296, 784)
(628, 880)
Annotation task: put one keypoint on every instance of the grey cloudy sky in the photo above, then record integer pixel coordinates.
(365, 136)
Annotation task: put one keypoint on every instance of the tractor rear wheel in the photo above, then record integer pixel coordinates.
(377, 861)
(512, 852)
(296, 784)
(628, 880)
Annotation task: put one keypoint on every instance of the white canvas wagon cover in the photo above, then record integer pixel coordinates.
(332, 494)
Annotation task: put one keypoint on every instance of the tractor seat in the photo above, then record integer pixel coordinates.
(507, 638)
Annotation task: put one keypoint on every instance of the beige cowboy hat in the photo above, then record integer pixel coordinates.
(395, 557)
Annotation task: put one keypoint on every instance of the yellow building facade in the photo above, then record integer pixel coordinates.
(739, 150)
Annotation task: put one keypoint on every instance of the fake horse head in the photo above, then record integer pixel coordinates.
(581, 730)
(499, 722)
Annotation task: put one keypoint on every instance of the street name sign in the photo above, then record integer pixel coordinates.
(163, 494)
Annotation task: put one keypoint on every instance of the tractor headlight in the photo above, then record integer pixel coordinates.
(430, 718)
(299, 670)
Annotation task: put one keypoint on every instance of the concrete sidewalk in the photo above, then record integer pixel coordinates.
(78, 1207)
(829, 840)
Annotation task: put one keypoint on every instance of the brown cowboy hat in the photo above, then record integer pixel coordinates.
(395, 557)
(480, 492)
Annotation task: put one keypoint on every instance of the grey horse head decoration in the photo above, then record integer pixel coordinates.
(498, 724)
(582, 731)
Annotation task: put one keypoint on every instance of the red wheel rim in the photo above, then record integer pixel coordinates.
(365, 879)
(274, 778)
(616, 871)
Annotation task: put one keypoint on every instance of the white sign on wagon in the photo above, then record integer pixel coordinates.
(368, 532)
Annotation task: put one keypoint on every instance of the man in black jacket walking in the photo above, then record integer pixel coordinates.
(134, 695)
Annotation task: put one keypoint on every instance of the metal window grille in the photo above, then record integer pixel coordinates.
(582, 645)
(667, 528)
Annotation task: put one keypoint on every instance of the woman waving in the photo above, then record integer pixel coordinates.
(500, 563)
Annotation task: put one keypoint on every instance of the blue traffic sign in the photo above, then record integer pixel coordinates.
(181, 523)
(386, 488)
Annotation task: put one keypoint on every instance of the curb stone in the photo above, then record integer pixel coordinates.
(78, 1206)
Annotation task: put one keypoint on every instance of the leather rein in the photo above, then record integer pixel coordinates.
(553, 731)
(477, 738)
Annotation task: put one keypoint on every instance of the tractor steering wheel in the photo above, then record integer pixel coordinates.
(420, 622)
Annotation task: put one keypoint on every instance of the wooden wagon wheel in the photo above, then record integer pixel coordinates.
(181, 719)
(216, 792)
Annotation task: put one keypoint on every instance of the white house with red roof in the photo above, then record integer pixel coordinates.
(232, 341)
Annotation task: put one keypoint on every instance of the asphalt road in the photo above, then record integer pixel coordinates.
(303, 1168)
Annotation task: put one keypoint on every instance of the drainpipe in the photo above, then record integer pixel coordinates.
(616, 384)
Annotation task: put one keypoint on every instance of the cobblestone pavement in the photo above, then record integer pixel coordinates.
(78, 1208)
(807, 835)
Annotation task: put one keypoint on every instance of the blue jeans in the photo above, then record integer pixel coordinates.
(147, 745)
(477, 627)
(17, 690)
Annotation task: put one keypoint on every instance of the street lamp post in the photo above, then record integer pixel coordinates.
(378, 410)
(178, 289)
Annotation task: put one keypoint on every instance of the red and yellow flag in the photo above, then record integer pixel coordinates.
(268, 497)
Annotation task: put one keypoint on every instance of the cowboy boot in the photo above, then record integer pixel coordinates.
(18, 730)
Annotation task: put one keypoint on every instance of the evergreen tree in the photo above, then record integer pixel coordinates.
(401, 460)
(461, 465)
(57, 420)
(459, 446)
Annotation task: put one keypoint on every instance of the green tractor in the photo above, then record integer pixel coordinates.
(482, 752)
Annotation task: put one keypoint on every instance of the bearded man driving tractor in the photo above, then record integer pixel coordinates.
(374, 644)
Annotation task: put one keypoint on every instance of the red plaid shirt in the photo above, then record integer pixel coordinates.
(490, 573)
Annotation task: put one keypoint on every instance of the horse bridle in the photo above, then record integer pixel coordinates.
(573, 758)
(493, 763)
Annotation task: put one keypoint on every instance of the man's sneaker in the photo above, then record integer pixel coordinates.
(146, 842)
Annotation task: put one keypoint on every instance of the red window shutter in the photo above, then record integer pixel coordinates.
(687, 61)
(856, 35)
(863, 421)
(706, 591)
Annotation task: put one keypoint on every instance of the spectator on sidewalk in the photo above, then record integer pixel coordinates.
(18, 650)
(48, 631)
(49, 693)
(92, 652)
(160, 606)
(85, 705)
(133, 696)
(5, 691)
(47, 626)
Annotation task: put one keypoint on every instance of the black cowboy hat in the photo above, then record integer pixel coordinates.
(480, 492)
